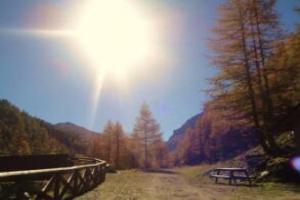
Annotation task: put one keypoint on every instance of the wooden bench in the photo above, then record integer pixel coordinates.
(231, 174)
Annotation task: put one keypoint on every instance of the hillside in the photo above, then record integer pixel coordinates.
(78, 138)
(178, 134)
(75, 129)
(208, 137)
(21, 134)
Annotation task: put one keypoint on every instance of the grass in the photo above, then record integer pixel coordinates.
(184, 183)
(262, 191)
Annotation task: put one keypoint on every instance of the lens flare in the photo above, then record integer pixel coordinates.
(295, 162)
(114, 35)
(116, 40)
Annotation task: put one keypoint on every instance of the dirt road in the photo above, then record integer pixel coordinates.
(172, 185)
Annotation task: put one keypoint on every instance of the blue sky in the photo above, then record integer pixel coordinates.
(44, 77)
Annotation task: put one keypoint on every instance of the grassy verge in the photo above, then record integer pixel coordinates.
(261, 191)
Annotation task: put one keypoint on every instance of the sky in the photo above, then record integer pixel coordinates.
(47, 77)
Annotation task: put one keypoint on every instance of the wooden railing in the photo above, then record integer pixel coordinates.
(54, 183)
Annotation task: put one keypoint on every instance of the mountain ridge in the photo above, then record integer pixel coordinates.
(209, 137)
(70, 126)
(178, 133)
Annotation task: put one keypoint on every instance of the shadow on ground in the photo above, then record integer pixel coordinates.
(160, 171)
(237, 185)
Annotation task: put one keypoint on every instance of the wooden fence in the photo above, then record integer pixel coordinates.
(53, 183)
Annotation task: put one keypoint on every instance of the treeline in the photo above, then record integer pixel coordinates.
(143, 148)
(258, 65)
(22, 134)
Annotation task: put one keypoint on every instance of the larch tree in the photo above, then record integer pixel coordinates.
(118, 142)
(146, 133)
(161, 154)
(97, 148)
(243, 43)
(108, 137)
(113, 146)
(234, 84)
(266, 35)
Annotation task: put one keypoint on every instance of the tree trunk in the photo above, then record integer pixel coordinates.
(146, 151)
(117, 150)
(251, 94)
(267, 100)
(109, 149)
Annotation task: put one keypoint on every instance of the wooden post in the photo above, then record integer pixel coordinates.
(56, 186)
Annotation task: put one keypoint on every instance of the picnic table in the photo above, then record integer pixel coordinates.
(231, 174)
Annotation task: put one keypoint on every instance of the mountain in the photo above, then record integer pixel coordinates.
(210, 137)
(178, 134)
(75, 137)
(75, 129)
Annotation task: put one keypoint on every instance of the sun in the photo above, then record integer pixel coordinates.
(114, 35)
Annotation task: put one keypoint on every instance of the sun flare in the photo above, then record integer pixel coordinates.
(114, 35)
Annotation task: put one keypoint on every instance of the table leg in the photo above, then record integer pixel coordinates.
(248, 177)
(230, 177)
(218, 173)
(235, 181)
